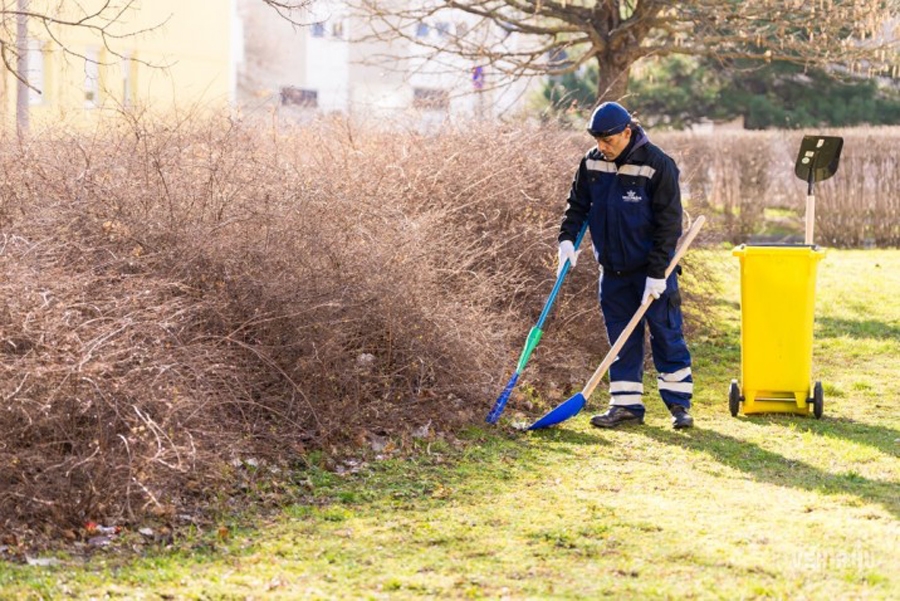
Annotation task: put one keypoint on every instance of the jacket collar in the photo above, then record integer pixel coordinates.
(638, 139)
(633, 151)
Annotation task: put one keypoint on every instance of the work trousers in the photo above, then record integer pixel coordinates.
(620, 297)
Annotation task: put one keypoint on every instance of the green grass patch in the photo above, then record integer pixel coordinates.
(772, 506)
(781, 223)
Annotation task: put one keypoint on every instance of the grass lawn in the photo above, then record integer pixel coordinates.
(750, 507)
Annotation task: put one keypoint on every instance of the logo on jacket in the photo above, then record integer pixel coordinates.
(631, 197)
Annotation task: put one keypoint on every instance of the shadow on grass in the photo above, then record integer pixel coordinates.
(879, 437)
(568, 436)
(831, 327)
(766, 466)
(723, 302)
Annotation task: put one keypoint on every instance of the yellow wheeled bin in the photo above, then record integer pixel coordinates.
(778, 285)
(778, 294)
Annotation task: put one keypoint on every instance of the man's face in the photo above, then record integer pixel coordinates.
(612, 146)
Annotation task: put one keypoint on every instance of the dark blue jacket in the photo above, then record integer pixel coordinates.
(633, 207)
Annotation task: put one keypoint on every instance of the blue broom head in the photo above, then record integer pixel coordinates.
(561, 413)
(494, 415)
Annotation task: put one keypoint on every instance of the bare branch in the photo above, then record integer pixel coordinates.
(291, 11)
(551, 37)
(102, 21)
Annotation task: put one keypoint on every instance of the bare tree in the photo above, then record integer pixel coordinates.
(291, 10)
(52, 19)
(106, 19)
(560, 36)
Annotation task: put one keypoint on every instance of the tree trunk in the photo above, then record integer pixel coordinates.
(22, 107)
(612, 78)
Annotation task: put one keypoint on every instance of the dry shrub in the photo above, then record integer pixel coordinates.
(731, 177)
(734, 176)
(181, 295)
(860, 205)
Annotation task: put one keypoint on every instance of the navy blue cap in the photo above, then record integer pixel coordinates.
(608, 119)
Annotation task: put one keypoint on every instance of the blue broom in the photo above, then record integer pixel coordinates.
(534, 336)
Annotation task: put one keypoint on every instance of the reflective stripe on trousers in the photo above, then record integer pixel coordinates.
(620, 298)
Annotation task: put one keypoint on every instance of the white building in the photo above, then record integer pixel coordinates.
(315, 68)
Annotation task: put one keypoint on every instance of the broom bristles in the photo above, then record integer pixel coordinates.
(494, 415)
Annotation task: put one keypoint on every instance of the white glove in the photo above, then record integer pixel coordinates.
(600, 284)
(566, 251)
(654, 288)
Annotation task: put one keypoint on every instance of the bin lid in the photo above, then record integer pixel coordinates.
(776, 249)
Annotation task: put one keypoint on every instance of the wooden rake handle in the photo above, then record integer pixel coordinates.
(639, 314)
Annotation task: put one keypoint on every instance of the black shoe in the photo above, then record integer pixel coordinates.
(681, 418)
(616, 416)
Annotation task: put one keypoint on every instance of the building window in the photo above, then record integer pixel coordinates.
(91, 79)
(299, 97)
(431, 99)
(127, 80)
(35, 77)
(443, 29)
(422, 30)
(318, 30)
(337, 29)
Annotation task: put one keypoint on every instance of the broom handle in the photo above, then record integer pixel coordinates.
(623, 337)
(559, 280)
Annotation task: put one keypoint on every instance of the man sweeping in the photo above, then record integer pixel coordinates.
(627, 189)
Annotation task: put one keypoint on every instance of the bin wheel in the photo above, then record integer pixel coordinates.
(818, 400)
(734, 398)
